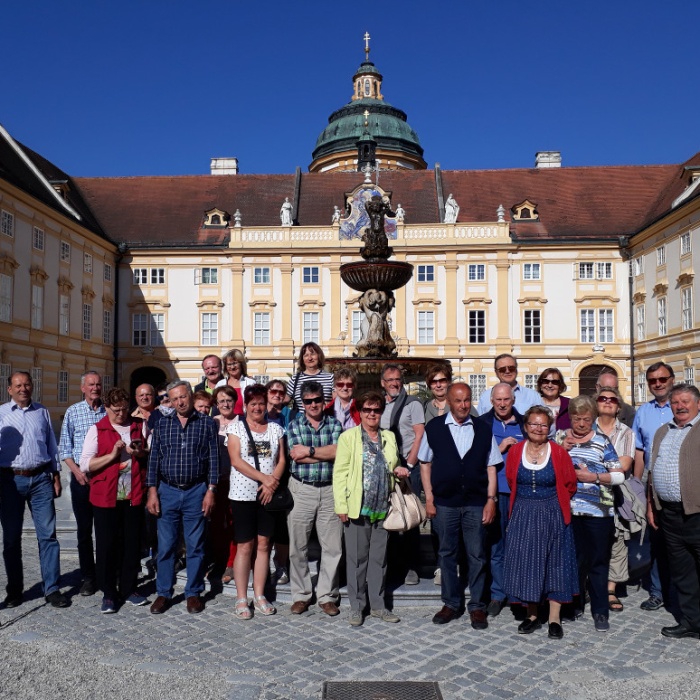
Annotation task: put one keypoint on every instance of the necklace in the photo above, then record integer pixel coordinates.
(440, 409)
(538, 454)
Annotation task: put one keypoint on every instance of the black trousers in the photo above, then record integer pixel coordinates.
(82, 509)
(682, 533)
(594, 539)
(118, 537)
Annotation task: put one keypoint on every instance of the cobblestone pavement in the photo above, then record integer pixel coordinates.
(80, 653)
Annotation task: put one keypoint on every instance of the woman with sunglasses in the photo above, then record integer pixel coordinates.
(438, 379)
(342, 406)
(278, 410)
(366, 462)
(551, 386)
(235, 371)
(622, 439)
(311, 361)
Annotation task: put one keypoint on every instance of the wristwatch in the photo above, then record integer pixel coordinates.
(597, 481)
(312, 451)
(212, 489)
(410, 467)
(493, 498)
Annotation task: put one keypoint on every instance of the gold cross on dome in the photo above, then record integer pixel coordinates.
(367, 37)
(366, 116)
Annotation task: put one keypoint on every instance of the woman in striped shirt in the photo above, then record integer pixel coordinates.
(311, 361)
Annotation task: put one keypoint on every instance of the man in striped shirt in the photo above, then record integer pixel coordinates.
(29, 473)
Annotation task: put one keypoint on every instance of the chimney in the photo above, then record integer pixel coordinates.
(548, 159)
(224, 166)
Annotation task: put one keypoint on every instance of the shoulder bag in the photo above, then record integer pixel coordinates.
(405, 508)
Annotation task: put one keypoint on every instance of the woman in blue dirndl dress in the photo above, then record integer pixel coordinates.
(540, 556)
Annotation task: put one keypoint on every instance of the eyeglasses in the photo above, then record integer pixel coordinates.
(441, 380)
(508, 369)
(659, 380)
(375, 411)
(608, 399)
(391, 380)
(308, 402)
(276, 392)
(345, 385)
(537, 426)
(163, 397)
(555, 382)
(222, 402)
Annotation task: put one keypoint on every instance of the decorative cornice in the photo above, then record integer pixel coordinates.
(38, 274)
(477, 300)
(686, 277)
(532, 300)
(107, 301)
(7, 263)
(64, 284)
(660, 287)
(597, 297)
(149, 302)
(262, 302)
(210, 303)
(426, 300)
(310, 302)
(639, 297)
(87, 293)
(350, 301)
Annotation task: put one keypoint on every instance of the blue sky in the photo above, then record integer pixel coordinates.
(158, 87)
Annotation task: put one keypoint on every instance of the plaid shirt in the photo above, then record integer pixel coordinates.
(79, 418)
(184, 455)
(301, 432)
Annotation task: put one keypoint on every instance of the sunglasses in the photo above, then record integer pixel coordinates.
(659, 380)
(608, 399)
(308, 402)
(375, 411)
(162, 397)
(507, 369)
(555, 382)
(439, 381)
(345, 385)
(276, 392)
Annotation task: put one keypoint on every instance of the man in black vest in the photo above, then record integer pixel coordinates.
(459, 457)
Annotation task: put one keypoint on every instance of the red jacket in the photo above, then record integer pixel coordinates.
(329, 410)
(103, 485)
(564, 474)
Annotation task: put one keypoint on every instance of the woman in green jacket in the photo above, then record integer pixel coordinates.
(366, 463)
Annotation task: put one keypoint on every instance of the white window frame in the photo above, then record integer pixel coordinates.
(604, 270)
(140, 275)
(5, 373)
(606, 326)
(206, 275)
(530, 381)
(139, 329)
(63, 314)
(532, 326)
(686, 245)
(37, 383)
(310, 274)
(476, 326)
(311, 323)
(426, 273)
(661, 314)
(689, 375)
(62, 386)
(687, 308)
(64, 251)
(209, 323)
(87, 263)
(661, 256)
(107, 326)
(157, 275)
(641, 387)
(37, 313)
(38, 238)
(425, 327)
(108, 272)
(586, 326)
(107, 383)
(638, 265)
(157, 330)
(7, 223)
(87, 321)
(532, 271)
(641, 322)
(261, 275)
(356, 326)
(6, 293)
(586, 271)
(261, 328)
(476, 272)
(477, 382)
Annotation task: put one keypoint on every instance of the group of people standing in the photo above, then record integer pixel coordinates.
(524, 493)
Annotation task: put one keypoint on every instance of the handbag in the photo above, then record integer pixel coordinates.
(405, 508)
(282, 499)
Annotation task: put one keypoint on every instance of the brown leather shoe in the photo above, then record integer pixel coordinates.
(478, 619)
(329, 608)
(445, 615)
(194, 604)
(301, 606)
(160, 605)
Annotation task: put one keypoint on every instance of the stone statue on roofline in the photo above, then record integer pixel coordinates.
(451, 210)
(336, 216)
(286, 212)
(400, 214)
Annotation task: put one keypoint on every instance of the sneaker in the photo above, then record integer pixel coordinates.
(412, 578)
(282, 576)
(57, 600)
(386, 615)
(438, 577)
(652, 603)
(355, 618)
(136, 599)
(108, 606)
(88, 587)
(601, 622)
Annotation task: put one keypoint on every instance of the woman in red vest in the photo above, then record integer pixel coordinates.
(114, 456)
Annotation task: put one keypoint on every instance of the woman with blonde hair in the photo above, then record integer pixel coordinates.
(236, 375)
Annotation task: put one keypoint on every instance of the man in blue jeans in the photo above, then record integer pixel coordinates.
(183, 471)
(29, 473)
(458, 457)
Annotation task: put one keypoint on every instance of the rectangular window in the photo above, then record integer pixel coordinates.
(477, 326)
(689, 375)
(206, 275)
(261, 275)
(638, 266)
(65, 252)
(587, 327)
(476, 272)
(311, 327)
(605, 326)
(533, 326)
(37, 392)
(531, 271)
(5, 372)
(641, 322)
(585, 271)
(661, 255)
(641, 387)
(107, 327)
(38, 238)
(604, 271)
(87, 321)
(210, 329)
(7, 223)
(661, 310)
(261, 379)
(426, 327)
(139, 326)
(87, 263)
(62, 386)
(685, 243)
(478, 384)
(426, 273)
(157, 330)
(37, 306)
(108, 272)
(531, 381)
(157, 275)
(356, 335)
(310, 275)
(107, 383)
(6, 298)
(63, 314)
(687, 308)
(140, 275)
(261, 322)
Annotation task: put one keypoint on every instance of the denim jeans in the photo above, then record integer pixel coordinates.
(82, 510)
(450, 523)
(496, 539)
(37, 491)
(181, 507)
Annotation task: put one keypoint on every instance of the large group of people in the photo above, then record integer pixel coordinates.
(529, 494)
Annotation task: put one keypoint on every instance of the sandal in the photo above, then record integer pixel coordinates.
(614, 603)
(228, 575)
(263, 605)
(242, 610)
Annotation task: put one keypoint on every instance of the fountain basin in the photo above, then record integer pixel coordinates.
(383, 275)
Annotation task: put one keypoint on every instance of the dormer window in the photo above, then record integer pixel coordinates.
(367, 87)
(216, 218)
(525, 211)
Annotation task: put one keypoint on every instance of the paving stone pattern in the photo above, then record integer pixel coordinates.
(134, 654)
